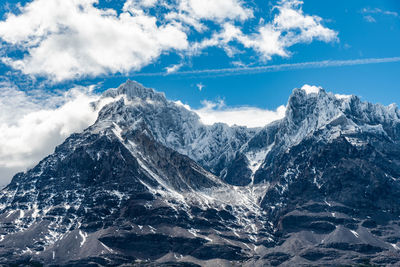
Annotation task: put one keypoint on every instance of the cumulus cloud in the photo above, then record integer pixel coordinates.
(215, 10)
(32, 125)
(289, 26)
(139, 4)
(193, 13)
(227, 34)
(64, 40)
(213, 112)
(69, 39)
(291, 19)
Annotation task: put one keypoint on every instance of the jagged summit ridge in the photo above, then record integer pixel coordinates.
(132, 89)
(307, 113)
(323, 106)
(173, 125)
(215, 147)
(148, 182)
(317, 114)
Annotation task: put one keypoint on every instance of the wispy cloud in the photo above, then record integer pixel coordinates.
(200, 86)
(278, 67)
(173, 68)
(368, 12)
(379, 11)
(369, 18)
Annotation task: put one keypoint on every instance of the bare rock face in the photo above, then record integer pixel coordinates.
(149, 185)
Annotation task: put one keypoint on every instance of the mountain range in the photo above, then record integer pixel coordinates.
(148, 184)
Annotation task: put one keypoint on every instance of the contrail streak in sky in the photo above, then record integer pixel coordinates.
(275, 68)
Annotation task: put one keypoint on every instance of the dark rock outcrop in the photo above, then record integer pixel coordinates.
(149, 185)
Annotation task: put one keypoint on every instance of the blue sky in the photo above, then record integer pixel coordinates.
(358, 39)
(365, 29)
(56, 56)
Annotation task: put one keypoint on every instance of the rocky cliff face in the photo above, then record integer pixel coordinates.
(174, 126)
(148, 183)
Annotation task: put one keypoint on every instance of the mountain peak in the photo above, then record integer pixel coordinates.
(303, 103)
(132, 89)
(144, 176)
(311, 89)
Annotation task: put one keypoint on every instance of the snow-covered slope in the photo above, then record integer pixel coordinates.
(174, 126)
(321, 115)
(149, 183)
(121, 177)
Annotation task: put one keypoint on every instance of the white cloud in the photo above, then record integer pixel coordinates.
(279, 67)
(31, 126)
(291, 19)
(69, 39)
(139, 4)
(200, 86)
(379, 11)
(368, 12)
(179, 103)
(369, 18)
(341, 96)
(173, 68)
(193, 13)
(213, 112)
(187, 20)
(267, 42)
(215, 10)
(289, 26)
(14, 103)
(228, 33)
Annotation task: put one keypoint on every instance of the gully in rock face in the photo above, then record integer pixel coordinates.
(148, 183)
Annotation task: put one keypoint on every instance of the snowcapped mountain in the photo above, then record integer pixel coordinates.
(148, 183)
(322, 116)
(174, 126)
